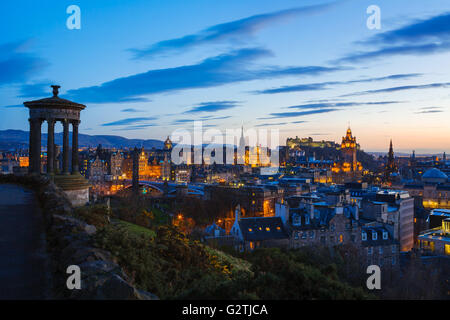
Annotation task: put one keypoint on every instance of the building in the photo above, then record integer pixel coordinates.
(324, 225)
(379, 246)
(97, 169)
(433, 190)
(319, 223)
(115, 160)
(394, 209)
(260, 232)
(436, 240)
(391, 167)
(348, 168)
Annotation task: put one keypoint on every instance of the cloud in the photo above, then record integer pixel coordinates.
(271, 124)
(219, 70)
(16, 65)
(326, 85)
(414, 49)
(425, 36)
(36, 89)
(136, 127)
(234, 31)
(128, 121)
(277, 115)
(400, 88)
(206, 118)
(182, 121)
(296, 88)
(317, 108)
(213, 106)
(431, 29)
(429, 110)
(339, 104)
(132, 110)
(299, 121)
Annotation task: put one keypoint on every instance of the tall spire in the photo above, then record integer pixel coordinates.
(391, 152)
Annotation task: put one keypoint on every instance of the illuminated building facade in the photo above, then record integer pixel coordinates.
(433, 190)
(348, 166)
(437, 240)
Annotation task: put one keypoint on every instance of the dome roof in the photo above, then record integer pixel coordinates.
(54, 102)
(434, 173)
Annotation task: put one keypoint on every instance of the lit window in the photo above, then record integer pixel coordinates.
(341, 238)
(385, 235)
(250, 230)
(364, 236)
(279, 228)
(267, 229)
(374, 236)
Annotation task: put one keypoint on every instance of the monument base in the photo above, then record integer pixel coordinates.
(75, 186)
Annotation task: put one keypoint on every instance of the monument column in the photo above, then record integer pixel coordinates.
(65, 123)
(31, 147)
(50, 146)
(75, 160)
(35, 145)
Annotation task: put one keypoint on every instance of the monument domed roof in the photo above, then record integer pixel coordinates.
(434, 173)
(54, 102)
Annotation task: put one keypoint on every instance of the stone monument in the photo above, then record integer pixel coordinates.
(55, 109)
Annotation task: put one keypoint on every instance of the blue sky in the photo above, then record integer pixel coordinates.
(308, 68)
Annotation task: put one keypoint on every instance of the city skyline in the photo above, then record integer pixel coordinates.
(232, 65)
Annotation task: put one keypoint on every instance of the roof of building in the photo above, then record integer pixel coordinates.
(434, 173)
(370, 242)
(262, 228)
(321, 219)
(213, 227)
(54, 102)
(440, 212)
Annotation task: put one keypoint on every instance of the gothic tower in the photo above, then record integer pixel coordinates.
(391, 166)
(348, 150)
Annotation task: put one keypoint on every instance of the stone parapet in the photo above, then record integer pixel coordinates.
(70, 242)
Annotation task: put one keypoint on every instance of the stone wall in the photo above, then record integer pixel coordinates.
(70, 242)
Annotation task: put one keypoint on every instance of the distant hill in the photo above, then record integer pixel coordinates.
(17, 139)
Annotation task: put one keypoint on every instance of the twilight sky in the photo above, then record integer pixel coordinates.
(307, 68)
